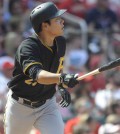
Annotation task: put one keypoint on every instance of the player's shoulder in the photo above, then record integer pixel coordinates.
(31, 41)
(29, 45)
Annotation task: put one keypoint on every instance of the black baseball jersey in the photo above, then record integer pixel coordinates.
(33, 54)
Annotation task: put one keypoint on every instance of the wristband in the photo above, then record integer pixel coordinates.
(61, 78)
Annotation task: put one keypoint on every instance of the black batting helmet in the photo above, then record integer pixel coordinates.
(44, 12)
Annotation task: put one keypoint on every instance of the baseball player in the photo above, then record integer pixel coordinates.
(38, 64)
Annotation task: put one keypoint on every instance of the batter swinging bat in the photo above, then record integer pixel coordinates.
(105, 67)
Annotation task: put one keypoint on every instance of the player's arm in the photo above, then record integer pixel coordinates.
(63, 80)
(45, 77)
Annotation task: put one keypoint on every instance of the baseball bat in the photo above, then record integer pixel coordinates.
(105, 67)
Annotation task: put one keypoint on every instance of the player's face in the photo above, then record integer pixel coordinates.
(56, 27)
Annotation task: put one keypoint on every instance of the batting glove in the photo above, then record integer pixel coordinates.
(68, 80)
(66, 98)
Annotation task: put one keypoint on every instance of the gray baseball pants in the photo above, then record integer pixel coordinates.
(19, 118)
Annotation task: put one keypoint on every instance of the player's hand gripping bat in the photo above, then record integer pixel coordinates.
(105, 67)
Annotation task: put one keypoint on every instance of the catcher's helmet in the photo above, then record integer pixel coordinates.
(44, 12)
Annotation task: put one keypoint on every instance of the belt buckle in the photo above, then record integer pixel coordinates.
(32, 104)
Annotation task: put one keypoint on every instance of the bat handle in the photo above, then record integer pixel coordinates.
(89, 74)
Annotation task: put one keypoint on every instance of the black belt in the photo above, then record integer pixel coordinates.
(28, 103)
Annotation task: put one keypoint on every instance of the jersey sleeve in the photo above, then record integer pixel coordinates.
(28, 56)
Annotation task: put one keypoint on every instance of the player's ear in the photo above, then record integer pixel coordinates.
(45, 26)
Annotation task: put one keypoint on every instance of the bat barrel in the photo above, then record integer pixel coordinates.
(110, 65)
(106, 67)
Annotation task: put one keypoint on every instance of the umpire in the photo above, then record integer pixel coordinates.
(38, 65)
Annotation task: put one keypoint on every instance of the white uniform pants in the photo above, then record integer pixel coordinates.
(19, 119)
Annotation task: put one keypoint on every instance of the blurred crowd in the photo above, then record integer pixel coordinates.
(95, 107)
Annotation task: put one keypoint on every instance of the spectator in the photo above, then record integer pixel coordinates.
(115, 6)
(3, 30)
(112, 125)
(77, 60)
(96, 59)
(2, 46)
(115, 46)
(6, 68)
(81, 106)
(104, 98)
(115, 107)
(87, 125)
(109, 129)
(15, 8)
(13, 37)
(76, 56)
(82, 129)
(113, 119)
(102, 17)
(3, 27)
(76, 7)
